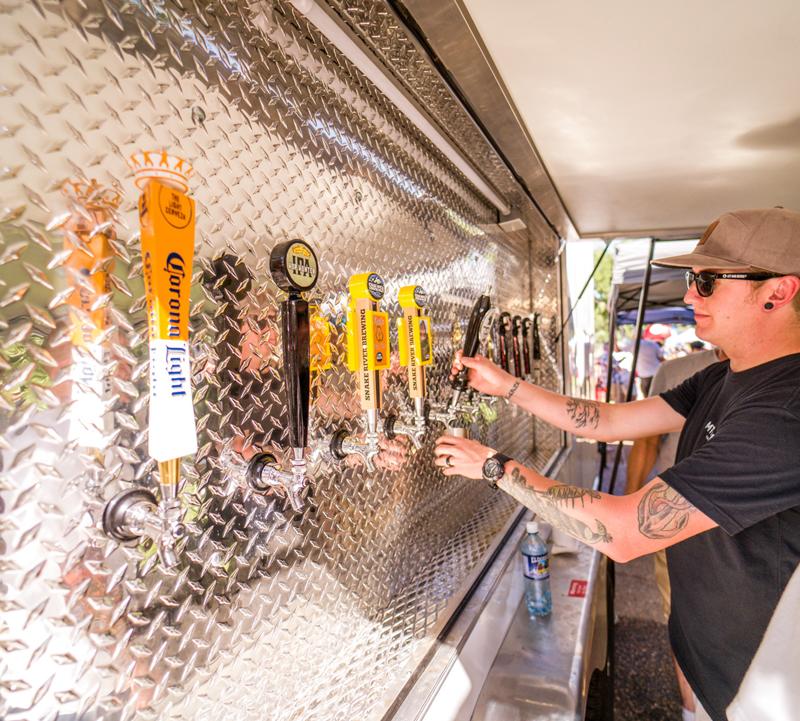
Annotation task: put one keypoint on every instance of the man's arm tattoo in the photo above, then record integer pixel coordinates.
(545, 505)
(663, 512)
(583, 413)
(569, 494)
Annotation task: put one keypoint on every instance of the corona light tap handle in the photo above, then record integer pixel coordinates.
(516, 325)
(471, 340)
(526, 345)
(293, 266)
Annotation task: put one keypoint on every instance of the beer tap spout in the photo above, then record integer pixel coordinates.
(343, 445)
(264, 474)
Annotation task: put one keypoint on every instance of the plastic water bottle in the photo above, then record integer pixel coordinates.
(536, 559)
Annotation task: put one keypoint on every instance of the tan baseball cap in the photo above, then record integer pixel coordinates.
(762, 239)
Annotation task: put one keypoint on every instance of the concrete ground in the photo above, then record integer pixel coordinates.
(645, 688)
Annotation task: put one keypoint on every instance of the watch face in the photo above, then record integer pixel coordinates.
(493, 469)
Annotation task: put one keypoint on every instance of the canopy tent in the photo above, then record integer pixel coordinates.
(683, 316)
(667, 285)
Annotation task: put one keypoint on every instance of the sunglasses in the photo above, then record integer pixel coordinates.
(705, 279)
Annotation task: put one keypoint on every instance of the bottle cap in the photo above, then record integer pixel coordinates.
(532, 527)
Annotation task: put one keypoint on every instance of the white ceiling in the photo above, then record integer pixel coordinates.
(655, 116)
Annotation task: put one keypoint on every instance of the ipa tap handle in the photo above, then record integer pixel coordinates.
(293, 266)
(472, 339)
(296, 366)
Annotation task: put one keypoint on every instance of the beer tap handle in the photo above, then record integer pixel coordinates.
(296, 364)
(537, 348)
(526, 345)
(293, 266)
(471, 341)
(516, 324)
(503, 321)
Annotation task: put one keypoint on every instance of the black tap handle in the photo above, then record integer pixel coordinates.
(296, 366)
(472, 339)
(504, 323)
(516, 324)
(537, 348)
(526, 345)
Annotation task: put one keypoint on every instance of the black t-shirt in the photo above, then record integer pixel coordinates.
(738, 461)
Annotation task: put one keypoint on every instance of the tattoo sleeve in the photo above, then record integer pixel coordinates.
(583, 413)
(546, 505)
(663, 512)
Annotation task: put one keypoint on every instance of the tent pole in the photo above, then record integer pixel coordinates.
(637, 343)
(583, 290)
(602, 446)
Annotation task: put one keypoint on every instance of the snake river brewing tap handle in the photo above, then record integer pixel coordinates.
(516, 324)
(293, 266)
(526, 345)
(472, 339)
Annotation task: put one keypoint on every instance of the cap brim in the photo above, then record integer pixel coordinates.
(701, 260)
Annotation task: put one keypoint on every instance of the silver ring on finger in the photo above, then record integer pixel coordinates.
(448, 461)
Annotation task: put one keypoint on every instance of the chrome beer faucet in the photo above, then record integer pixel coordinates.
(416, 351)
(367, 355)
(343, 444)
(293, 265)
(135, 514)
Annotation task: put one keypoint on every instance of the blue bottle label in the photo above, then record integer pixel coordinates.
(537, 567)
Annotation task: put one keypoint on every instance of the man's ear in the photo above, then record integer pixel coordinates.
(784, 290)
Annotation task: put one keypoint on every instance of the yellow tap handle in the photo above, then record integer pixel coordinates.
(415, 337)
(367, 337)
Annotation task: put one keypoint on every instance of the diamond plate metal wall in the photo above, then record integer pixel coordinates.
(270, 614)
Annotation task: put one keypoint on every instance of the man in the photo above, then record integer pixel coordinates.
(647, 363)
(650, 457)
(729, 510)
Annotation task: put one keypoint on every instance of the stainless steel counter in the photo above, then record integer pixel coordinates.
(544, 664)
(496, 664)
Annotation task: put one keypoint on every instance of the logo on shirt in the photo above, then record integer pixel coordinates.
(711, 430)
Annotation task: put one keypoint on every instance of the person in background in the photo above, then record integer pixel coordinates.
(650, 457)
(647, 363)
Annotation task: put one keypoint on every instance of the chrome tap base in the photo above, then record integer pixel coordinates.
(121, 510)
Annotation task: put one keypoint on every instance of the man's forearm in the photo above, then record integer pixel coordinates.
(576, 511)
(622, 527)
(598, 421)
(585, 418)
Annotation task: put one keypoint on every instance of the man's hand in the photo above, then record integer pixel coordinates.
(484, 376)
(461, 457)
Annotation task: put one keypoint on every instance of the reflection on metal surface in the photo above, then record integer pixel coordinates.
(538, 670)
(269, 612)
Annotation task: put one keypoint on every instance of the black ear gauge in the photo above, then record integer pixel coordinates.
(768, 306)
